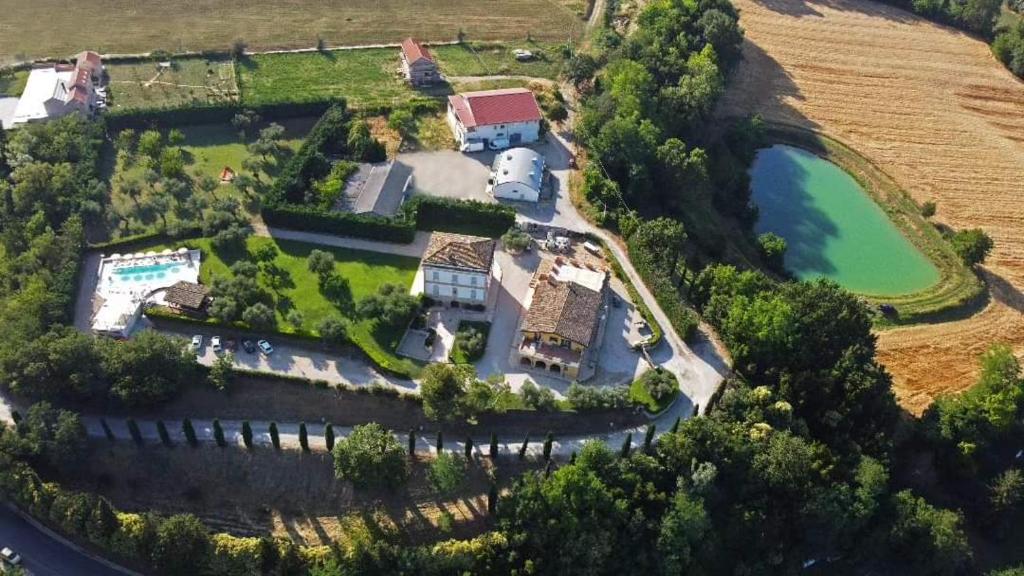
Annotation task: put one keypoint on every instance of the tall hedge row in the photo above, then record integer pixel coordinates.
(192, 113)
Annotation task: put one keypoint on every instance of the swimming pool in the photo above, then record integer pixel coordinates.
(147, 272)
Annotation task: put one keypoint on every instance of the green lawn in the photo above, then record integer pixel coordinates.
(639, 395)
(299, 289)
(366, 77)
(142, 85)
(479, 59)
(208, 149)
(13, 83)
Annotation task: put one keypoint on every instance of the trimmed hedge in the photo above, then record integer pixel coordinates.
(146, 239)
(341, 223)
(460, 216)
(191, 113)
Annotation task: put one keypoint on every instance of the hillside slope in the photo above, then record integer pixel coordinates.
(932, 108)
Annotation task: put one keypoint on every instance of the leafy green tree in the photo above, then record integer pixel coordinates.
(392, 305)
(150, 145)
(973, 246)
(182, 546)
(333, 329)
(930, 540)
(773, 250)
(442, 390)
(303, 437)
(515, 240)
(1007, 492)
(320, 262)
(295, 318)
(222, 372)
(403, 121)
(447, 473)
(686, 535)
(259, 316)
(658, 243)
(148, 368)
(165, 437)
(190, 432)
(175, 137)
(247, 434)
(370, 456)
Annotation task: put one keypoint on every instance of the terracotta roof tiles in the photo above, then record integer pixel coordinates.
(460, 251)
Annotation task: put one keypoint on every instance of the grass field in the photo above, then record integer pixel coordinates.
(208, 149)
(135, 85)
(364, 272)
(365, 77)
(950, 130)
(50, 28)
(12, 83)
(479, 59)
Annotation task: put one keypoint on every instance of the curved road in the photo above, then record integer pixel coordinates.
(45, 553)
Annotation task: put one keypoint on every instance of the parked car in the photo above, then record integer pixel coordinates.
(498, 144)
(215, 344)
(265, 347)
(197, 342)
(10, 557)
(249, 346)
(523, 55)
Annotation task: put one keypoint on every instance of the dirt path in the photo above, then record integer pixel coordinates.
(932, 108)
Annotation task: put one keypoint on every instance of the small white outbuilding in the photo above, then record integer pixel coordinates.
(517, 174)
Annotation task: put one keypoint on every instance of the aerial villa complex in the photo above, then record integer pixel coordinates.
(457, 268)
(566, 310)
(61, 89)
(510, 115)
(125, 283)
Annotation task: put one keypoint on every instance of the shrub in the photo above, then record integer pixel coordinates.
(773, 250)
(582, 397)
(370, 456)
(928, 209)
(470, 342)
(973, 246)
(659, 383)
(447, 473)
(182, 546)
(515, 240)
(538, 398)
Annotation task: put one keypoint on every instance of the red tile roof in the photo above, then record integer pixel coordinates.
(495, 107)
(89, 60)
(80, 86)
(415, 51)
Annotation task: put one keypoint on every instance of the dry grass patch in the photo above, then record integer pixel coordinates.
(931, 108)
(140, 85)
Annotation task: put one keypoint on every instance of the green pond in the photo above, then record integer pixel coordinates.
(833, 229)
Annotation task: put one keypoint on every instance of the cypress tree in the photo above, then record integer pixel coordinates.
(649, 438)
(218, 434)
(329, 437)
(303, 437)
(106, 429)
(547, 469)
(492, 498)
(675, 426)
(440, 441)
(522, 449)
(548, 441)
(469, 450)
(247, 434)
(494, 446)
(16, 416)
(572, 458)
(627, 445)
(275, 438)
(696, 410)
(190, 432)
(412, 442)
(133, 429)
(165, 438)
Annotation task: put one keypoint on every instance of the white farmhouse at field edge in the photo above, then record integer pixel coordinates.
(457, 268)
(480, 117)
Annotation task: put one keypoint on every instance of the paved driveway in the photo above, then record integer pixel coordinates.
(449, 174)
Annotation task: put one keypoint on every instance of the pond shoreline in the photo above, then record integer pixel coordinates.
(958, 293)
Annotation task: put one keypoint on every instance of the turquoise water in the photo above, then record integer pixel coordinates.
(148, 272)
(833, 229)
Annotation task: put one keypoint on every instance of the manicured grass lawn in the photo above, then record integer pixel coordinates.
(365, 272)
(208, 149)
(49, 28)
(142, 85)
(365, 77)
(639, 395)
(13, 83)
(479, 59)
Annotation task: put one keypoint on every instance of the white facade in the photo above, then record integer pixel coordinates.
(516, 132)
(447, 284)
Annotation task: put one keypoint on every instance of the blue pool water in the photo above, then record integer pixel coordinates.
(148, 272)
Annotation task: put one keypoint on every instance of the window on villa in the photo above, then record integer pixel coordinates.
(476, 294)
(473, 280)
(455, 278)
(437, 290)
(437, 276)
(455, 291)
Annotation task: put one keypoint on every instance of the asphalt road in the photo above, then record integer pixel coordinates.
(44, 556)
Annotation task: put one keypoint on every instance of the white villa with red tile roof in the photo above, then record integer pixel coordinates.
(512, 113)
(418, 64)
(60, 89)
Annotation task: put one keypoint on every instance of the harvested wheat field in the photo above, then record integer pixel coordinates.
(931, 107)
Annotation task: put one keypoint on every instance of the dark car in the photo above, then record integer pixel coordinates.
(249, 346)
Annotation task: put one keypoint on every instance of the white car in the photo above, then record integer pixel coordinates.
(10, 557)
(216, 345)
(197, 342)
(265, 347)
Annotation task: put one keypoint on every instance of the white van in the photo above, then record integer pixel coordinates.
(472, 146)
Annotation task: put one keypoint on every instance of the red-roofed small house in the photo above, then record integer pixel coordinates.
(418, 64)
(480, 117)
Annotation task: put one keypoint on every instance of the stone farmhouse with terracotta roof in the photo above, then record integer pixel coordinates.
(61, 89)
(457, 268)
(566, 308)
(418, 64)
(511, 113)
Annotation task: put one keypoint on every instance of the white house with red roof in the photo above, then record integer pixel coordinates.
(480, 117)
(60, 89)
(418, 64)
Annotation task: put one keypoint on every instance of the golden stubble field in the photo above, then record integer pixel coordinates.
(931, 107)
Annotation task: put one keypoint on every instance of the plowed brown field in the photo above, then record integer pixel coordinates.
(931, 107)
